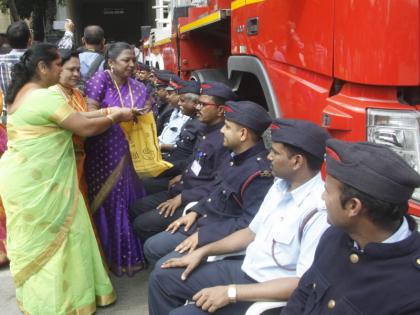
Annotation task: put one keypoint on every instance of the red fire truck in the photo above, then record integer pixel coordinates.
(350, 66)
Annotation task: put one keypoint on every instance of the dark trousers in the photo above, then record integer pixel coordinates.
(168, 293)
(160, 183)
(157, 247)
(155, 185)
(146, 218)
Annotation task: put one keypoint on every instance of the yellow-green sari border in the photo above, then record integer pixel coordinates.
(33, 267)
(103, 300)
(32, 132)
(62, 113)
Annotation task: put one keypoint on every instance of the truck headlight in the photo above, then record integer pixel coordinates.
(399, 130)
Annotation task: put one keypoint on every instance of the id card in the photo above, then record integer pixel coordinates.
(196, 168)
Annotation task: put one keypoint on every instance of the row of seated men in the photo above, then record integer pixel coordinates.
(343, 246)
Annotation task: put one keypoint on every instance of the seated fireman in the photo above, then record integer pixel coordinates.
(369, 261)
(280, 242)
(152, 214)
(241, 183)
(180, 153)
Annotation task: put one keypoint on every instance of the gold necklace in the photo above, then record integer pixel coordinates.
(119, 92)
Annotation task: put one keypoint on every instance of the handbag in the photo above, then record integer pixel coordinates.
(144, 147)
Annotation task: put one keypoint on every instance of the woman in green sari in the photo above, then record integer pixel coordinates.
(54, 257)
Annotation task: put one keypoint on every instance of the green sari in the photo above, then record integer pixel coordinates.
(54, 257)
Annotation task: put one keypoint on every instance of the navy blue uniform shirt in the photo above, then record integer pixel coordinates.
(242, 182)
(164, 111)
(383, 279)
(201, 169)
(181, 155)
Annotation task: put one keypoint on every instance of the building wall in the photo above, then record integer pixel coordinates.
(121, 19)
(4, 22)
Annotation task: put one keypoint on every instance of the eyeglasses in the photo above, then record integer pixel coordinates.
(200, 105)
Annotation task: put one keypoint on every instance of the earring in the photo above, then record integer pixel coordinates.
(112, 69)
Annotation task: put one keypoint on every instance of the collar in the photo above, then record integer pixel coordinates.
(302, 192)
(254, 150)
(390, 250)
(211, 128)
(402, 233)
(66, 89)
(177, 112)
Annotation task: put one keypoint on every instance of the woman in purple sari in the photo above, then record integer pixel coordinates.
(112, 182)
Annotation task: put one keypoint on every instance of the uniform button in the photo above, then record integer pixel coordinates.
(331, 304)
(186, 171)
(209, 200)
(181, 182)
(314, 286)
(224, 192)
(204, 137)
(354, 258)
(418, 261)
(205, 216)
(231, 163)
(258, 159)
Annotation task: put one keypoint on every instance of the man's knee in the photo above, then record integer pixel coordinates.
(160, 245)
(149, 248)
(138, 225)
(160, 276)
(137, 208)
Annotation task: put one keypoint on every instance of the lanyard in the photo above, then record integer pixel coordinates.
(119, 92)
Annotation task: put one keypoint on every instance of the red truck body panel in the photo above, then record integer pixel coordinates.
(370, 47)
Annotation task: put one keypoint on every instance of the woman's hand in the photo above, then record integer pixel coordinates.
(114, 109)
(123, 114)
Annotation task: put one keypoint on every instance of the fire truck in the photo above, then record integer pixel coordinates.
(350, 66)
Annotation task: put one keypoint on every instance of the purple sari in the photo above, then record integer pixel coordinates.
(112, 182)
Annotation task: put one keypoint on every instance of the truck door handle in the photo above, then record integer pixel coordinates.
(252, 26)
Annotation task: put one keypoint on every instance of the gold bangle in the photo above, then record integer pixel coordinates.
(111, 119)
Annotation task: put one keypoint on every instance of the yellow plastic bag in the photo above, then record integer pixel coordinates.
(144, 148)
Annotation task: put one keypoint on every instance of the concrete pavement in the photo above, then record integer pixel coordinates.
(132, 295)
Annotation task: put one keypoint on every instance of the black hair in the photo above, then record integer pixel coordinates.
(114, 50)
(67, 54)
(25, 69)
(18, 35)
(314, 163)
(383, 213)
(93, 35)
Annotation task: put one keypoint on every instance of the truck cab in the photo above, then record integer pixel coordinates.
(350, 66)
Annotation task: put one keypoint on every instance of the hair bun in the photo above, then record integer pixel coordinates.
(25, 57)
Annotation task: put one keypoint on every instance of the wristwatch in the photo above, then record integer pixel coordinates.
(231, 293)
